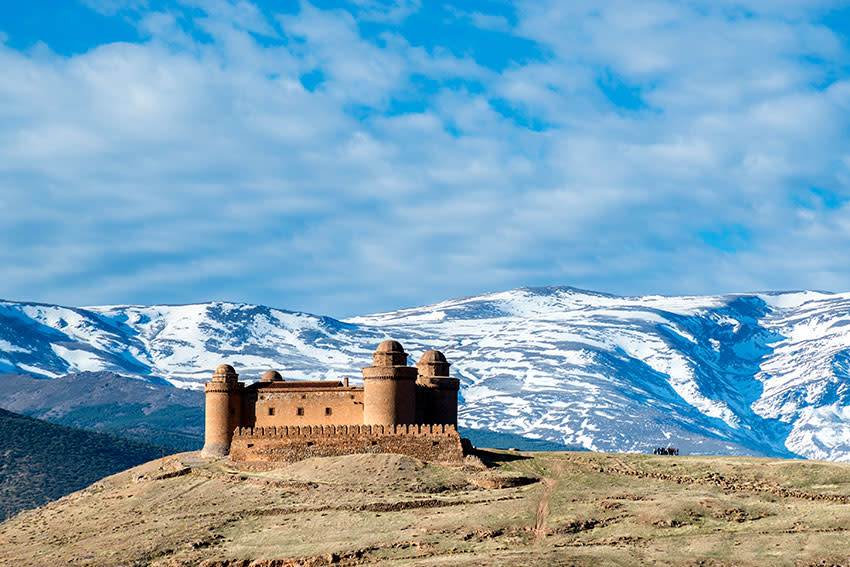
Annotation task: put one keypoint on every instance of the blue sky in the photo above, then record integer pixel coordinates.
(351, 157)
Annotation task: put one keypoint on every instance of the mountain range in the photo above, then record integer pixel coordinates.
(755, 373)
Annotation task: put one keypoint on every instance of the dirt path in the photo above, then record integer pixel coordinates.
(549, 485)
(191, 488)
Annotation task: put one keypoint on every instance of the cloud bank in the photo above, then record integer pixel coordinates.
(353, 157)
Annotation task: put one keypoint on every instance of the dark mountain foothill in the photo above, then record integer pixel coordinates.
(41, 461)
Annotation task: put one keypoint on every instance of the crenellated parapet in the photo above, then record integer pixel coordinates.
(221, 387)
(345, 430)
(280, 445)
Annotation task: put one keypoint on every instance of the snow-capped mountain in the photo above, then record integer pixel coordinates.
(743, 374)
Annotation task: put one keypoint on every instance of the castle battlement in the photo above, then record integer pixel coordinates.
(399, 409)
(341, 430)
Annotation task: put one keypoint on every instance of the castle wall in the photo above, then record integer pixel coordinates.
(445, 407)
(278, 445)
(337, 406)
(440, 405)
(421, 402)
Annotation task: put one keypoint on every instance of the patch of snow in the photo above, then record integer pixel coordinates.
(80, 360)
(6, 346)
(27, 368)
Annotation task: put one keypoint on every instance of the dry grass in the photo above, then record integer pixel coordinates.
(588, 509)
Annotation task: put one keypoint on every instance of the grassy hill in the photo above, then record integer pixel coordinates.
(41, 461)
(526, 509)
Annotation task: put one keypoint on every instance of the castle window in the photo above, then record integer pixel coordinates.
(232, 411)
(271, 411)
(328, 411)
(299, 411)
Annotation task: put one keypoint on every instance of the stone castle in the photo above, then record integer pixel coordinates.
(399, 409)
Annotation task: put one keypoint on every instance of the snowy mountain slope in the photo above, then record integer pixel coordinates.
(606, 372)
(749, 373)
(182, 343)
(806, 379)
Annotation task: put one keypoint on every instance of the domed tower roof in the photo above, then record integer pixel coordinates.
(390, 346)
(271, 376)
(390, 353)
(433, 356)
(433, 363)
(225, 373)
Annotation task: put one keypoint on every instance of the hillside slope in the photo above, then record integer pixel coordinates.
(155, 413)
(760, 374)
(41, 461)
(579, 509)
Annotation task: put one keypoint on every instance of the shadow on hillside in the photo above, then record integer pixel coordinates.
(491, 458)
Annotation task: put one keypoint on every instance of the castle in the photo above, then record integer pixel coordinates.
(399, 409)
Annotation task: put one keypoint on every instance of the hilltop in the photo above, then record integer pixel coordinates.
(41, 461)
(527, 509)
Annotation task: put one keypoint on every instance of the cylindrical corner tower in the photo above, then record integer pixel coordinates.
(223, 411)
(436, 390)
(389, 387)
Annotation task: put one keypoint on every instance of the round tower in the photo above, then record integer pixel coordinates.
(223, 411)
(437, 392)
(389, 387)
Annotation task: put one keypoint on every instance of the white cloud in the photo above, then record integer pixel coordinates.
(481, 20)
(386, 10)
(239, 14)
(180, 169)
(112, 7)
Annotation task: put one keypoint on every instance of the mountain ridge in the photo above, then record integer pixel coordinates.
(764, 373)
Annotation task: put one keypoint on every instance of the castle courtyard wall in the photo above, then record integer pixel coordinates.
(294, 407)
(281, 445)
